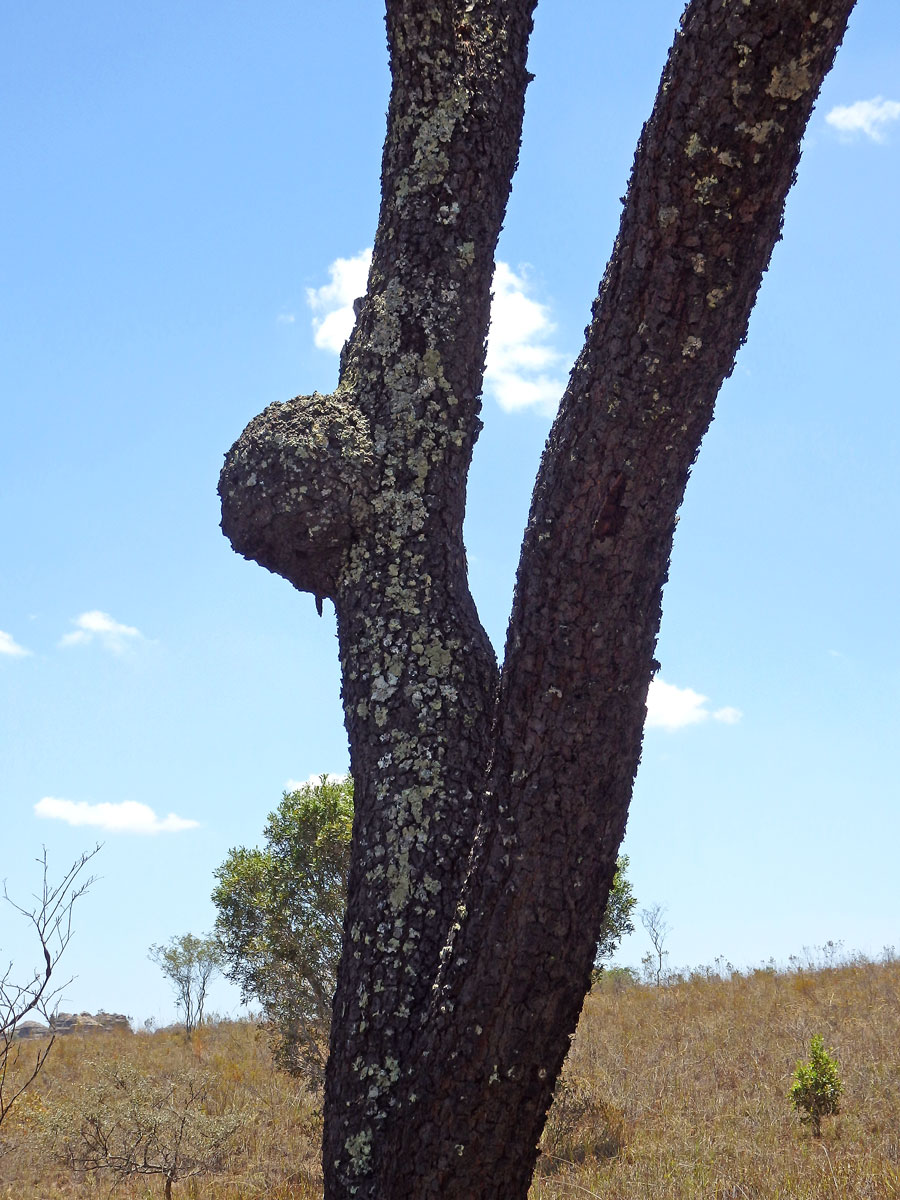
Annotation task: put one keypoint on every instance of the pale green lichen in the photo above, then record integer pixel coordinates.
(761, 131)
(398, 875)
(691, 347)
(792, 80)
(704, 188)
(698, 262)
(433, 132)
(743, 54)
(738, 90)
(359, 1151)
(694, 146)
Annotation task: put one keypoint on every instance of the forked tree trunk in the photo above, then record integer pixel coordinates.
(490, 807)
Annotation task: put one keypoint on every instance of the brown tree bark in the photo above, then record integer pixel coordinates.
(490, 807)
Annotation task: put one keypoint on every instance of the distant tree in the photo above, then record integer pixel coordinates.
(189, 963)
(51, 922)
(281, 911)
(617, 920)
(657, 930)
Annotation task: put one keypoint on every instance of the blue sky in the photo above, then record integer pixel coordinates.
(190, 191)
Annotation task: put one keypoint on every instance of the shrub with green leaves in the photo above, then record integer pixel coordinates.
(617, 920)
(280, 918)
(817, 1087)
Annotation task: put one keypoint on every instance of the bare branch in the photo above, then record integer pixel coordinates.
(51, 920)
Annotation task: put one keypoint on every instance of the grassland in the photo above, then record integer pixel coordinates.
(673, 1093)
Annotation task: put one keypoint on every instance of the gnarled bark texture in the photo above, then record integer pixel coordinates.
(490, 806)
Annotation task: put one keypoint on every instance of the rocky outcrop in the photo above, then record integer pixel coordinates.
(28, 1031)
(114, 1021)
(65, 1023)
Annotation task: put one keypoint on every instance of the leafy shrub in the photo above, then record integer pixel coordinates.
(280, 919)
(615, 979)
(617, 920)
(817, 1086)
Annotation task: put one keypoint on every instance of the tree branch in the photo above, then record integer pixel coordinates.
(51, 919)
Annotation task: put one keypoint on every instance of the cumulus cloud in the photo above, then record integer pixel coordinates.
(523, 370)
(867, 117)
(332, 304)
(293, 785)
(670, 707)
(10, 647)
(127, 817)
(100, 626)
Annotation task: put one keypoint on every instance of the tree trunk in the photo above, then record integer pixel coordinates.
(489, 809)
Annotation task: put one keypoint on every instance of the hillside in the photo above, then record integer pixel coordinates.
(669, 1093)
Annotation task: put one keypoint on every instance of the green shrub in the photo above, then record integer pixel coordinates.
(817, 1086)
(281, 917)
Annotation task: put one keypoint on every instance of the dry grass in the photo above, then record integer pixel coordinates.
(671, 1093)
(276, 1150)
(690, 1083)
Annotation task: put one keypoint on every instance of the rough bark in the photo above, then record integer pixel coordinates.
(462, 977)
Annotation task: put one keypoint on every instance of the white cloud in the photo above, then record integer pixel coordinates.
(522, 370)
(286, 318)
(111, 634)
(670, 707)
(332, 303)
(10, 647)
(865, 116)
(127, 817)
(727, 715)
(293, 785)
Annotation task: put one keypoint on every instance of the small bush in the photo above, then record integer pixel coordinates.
(614, 979)
(128, 1124)
(817, 1086)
